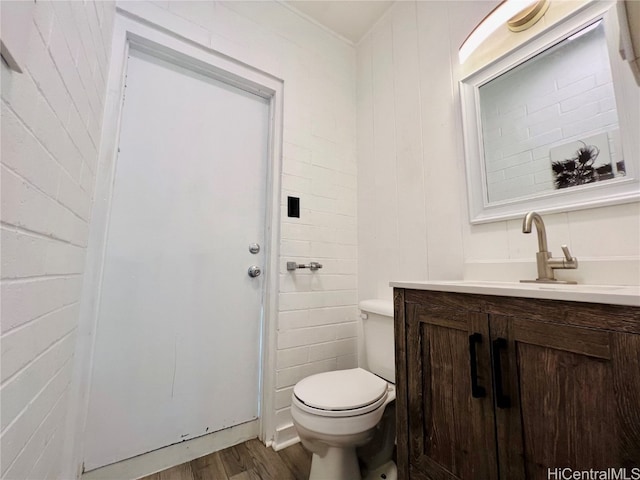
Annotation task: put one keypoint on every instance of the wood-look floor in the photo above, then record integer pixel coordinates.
(250, 460)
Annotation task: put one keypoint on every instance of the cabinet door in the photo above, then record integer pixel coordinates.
(570, 397)
(451, 433)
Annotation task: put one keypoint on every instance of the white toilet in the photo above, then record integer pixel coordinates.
(336, 412)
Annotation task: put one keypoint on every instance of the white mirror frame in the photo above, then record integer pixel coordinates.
(581, 197)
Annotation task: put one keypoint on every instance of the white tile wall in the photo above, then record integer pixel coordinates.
(51, 121)
(412, 216)
(318, 314)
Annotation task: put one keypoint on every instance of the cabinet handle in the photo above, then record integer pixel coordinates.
(502, 400)
(476, 390)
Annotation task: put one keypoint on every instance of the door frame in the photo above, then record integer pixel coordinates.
(131, 32)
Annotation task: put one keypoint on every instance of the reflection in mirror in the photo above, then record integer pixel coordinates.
(551, 122)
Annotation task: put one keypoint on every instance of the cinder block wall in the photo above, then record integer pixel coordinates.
(51, 123)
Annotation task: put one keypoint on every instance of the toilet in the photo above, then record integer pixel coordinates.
(342, 413)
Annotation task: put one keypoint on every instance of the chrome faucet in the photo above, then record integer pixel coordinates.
(546, 263)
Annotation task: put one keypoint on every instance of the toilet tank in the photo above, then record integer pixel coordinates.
(377, 323)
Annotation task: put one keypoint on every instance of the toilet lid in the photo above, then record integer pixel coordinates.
(341, 389)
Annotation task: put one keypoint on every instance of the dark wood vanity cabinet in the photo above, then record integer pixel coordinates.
(505, 388)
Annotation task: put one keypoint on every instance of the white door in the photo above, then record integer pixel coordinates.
(177, 351)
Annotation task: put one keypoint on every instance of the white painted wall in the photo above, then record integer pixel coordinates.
(51, 123)
(412, 208)
(410, 164)
(317, 324)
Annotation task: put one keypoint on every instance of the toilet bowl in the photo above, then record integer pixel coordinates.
(336, 412)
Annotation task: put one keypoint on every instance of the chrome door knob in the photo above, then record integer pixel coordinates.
(254, 271)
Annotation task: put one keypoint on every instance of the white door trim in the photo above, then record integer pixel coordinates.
(128, 31)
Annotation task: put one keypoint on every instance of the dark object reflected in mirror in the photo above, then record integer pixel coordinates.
(586, 165)
(578, 170)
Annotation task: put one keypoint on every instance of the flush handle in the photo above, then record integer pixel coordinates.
(313, 266)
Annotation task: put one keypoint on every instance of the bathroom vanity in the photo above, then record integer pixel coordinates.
(508, 380)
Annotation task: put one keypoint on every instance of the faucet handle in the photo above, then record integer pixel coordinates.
(570, 262)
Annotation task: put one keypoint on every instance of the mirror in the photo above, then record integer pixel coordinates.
(551, 122)
(543, 128)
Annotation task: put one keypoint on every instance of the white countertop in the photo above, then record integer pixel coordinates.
(608, 294)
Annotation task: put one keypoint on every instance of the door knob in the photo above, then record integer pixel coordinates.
(254, 271)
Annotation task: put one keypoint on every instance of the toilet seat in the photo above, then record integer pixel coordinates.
(340, 393)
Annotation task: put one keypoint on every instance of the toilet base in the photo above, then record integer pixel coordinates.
(337, 463)
(388, 471)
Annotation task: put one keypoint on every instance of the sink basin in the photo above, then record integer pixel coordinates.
(608, 294)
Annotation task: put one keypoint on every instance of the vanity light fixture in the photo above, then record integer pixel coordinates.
(518, 14)
(528, 17)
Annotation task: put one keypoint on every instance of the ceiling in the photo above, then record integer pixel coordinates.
(349, 18)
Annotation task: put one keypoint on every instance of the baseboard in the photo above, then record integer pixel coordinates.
(173, 455)
(285, 437)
